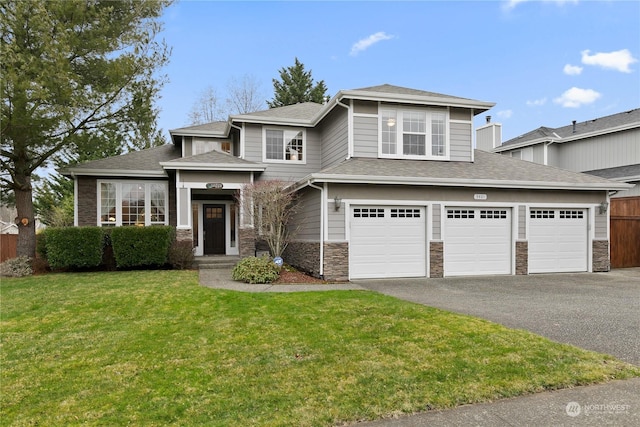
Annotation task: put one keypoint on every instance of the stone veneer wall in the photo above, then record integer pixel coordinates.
(522, 257)
(601, 261)
(304, 256)
(247, 243)
(184, 235)
(436, 259)
(336, 261)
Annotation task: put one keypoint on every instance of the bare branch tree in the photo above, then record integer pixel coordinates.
(244, 95)
(207, 108)
(271, 205)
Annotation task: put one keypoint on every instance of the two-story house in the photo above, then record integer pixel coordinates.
(608, 147)
(390, 183)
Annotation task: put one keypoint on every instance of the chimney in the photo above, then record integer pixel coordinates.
(489, 136)
(574, 126)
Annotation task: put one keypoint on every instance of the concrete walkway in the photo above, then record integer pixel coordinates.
(616, 403)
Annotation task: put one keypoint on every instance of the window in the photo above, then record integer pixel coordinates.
(284, 145)
(460, 214)
(493, 214)
(571, 214)
(368, 213)
(542, 214)
(405, 213)
(132, 203)
(413, 133)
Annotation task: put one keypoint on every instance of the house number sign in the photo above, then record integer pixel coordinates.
(214, 185)
(480, 196)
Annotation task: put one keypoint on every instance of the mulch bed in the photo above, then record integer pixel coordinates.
(297, 277)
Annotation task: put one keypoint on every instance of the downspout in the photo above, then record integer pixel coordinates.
(349, 129)
(323, 209)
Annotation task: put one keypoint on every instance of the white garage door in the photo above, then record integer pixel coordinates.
(477, 241)
(387, 241)
(557, 240)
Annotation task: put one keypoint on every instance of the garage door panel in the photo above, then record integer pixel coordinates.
(558, 240)
(477, 241)
(387, 242)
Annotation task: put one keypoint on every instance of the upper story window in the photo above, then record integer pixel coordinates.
(132, 203)
(284, 145)
(201, 146)
(413, 134)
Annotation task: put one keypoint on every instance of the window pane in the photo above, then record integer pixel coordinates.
(294, 146)
(274, 141)
(132, 204)
(389, 132)
(437, 135)
(413, 144)
(413, 122)
(108, 203)
(157, 208)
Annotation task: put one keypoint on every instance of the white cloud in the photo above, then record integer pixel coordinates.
(576, 97)
(572, 70)
(537, 102)
(511, 4)
(618, 60)
(366, 43)
(505, 114)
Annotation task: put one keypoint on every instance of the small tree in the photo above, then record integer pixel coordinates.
(271, 205)
(296, 86)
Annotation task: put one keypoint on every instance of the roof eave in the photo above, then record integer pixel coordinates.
(460, 182)
(113, 172)
(212, 167)
(478, 106)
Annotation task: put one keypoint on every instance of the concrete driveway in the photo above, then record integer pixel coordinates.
(595, 311)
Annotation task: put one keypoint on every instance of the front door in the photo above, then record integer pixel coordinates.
(213, 226)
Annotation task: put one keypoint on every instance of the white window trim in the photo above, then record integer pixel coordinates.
(399, 122)
(147, 201)
(302, 161)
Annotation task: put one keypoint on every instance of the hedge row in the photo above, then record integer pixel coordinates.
(85, 247)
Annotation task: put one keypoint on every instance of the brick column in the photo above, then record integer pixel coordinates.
(436, 259)
(247, 242)
(336, 261)
(522, 257)
(601, 260)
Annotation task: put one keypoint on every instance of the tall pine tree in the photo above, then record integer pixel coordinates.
(296, 85)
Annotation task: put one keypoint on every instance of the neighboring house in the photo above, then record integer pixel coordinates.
(390, 183)
(608, 147)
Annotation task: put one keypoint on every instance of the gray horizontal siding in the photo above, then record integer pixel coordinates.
(600, 226)
(335, 138)
(437, 222)
(607, 151)
(336, 222)
(522, 222)
(307, 220)
(460, 141)
(365, 136)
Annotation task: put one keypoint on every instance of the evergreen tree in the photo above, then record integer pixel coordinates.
(296, 85)
(76, 74)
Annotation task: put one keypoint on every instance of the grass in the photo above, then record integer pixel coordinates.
(155, 348)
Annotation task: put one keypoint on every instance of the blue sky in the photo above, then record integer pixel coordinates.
(544, 63)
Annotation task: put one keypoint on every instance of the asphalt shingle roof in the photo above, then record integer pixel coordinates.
(617, 172)
(391, 89)
(589, 126)
(486, 167)
(213, 158)
(301, 111)
(135, 161)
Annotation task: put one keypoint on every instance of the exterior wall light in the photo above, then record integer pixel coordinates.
(604, 206)
(336, 203)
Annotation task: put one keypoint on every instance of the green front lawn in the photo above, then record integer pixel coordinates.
(155, 348)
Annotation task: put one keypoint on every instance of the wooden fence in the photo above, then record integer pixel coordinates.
(8, 245)
(625, 232)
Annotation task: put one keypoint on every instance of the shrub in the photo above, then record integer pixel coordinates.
(141, 246)
(181, 255)
(73, 247)
(16, 267)
(256, 270)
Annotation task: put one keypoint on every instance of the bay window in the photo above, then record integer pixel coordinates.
(413, 133)
(132, 203)
(284, 145)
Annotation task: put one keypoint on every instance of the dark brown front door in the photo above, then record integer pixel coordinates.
(213, 226)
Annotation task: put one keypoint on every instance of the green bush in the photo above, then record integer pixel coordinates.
(181, 255)
(16, 267)
(256, 270)
(135, 247)
(73, 247)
